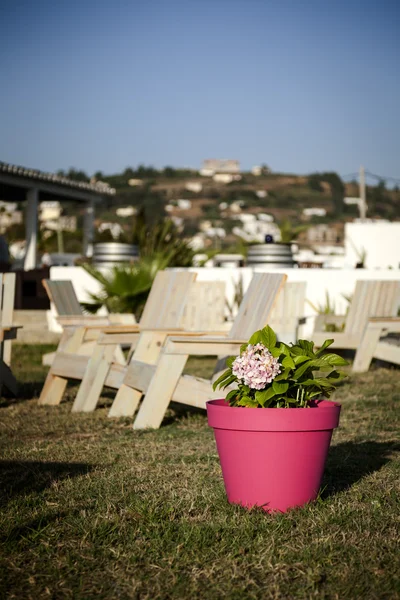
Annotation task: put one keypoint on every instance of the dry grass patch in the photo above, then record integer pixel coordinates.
(91, 509)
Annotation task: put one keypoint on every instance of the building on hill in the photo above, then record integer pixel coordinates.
(211, 166)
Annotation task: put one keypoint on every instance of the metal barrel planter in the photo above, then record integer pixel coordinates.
(275, 256)
(111, 254)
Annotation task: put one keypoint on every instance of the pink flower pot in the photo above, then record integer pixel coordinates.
(273, 457)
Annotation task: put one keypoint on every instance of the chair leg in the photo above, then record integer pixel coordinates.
(365, 351)
(125, 402)
(93, 381)
(54, 386)
(162, 386)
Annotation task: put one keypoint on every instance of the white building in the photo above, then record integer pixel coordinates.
(193, 186)
(183, 204)
(314, 212)
(217, 165)
(255, 230)
(376, 244)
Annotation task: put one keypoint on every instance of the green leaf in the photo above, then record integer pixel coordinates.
(321, 382)
(243, 347)
(284, 375)
(324, 346)
(284, 349)
(298, 360)
(247, 401)
(301, 370)
(288, 362)
(228, 381)
(275, 352)
(263, 395)
(335, 360)
(298, 351)
(307, 346)
(222, 378)
(231, 394)
(268, 337)
(255, 338)
(280, 388)
(230, 360)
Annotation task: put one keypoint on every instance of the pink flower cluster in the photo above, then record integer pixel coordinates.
(256, 367)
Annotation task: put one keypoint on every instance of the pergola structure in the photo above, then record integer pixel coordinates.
(20, 184)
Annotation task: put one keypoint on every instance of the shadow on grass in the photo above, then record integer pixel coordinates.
(17, 478)
(349, 462)
(26, 391)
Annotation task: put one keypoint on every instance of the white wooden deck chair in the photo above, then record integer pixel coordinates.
(164, 382)
(163, 311)
(372, 346)
(202, 306)
(371, 299)
(288, 312)
(8, 331)
(63, 298)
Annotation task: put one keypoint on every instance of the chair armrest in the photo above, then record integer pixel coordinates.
(203, 346)
(82, 320)
(388, 324)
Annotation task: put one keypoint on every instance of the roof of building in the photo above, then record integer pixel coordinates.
(99, 187)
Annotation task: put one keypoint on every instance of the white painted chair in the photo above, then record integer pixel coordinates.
(8, 331)
(62, 295)
(164, 382)
(202, 305)
(287, 314)
(164, 310)
(370, 299)
(372, 346)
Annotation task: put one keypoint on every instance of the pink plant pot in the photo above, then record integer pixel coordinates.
(273, 457)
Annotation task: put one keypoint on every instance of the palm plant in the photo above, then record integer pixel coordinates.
(125, 288)
(161, 239)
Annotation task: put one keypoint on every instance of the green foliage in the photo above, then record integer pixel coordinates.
(324, 309)
(161, 241)
(289, 232)
(336, 185)
(305, 374)
(125, 289)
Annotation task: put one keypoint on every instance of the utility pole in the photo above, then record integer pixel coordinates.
(363, 196)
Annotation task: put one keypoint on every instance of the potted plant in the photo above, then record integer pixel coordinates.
(275, 458)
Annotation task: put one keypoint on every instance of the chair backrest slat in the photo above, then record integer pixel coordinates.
(204, 310)
(289, 308)
(167, 299)
(7, 295)
(372, 299)
(257, 304)
(63, 296)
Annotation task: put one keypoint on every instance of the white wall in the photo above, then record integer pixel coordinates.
(381, 242)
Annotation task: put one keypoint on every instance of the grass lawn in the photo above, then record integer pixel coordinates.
(91, 509)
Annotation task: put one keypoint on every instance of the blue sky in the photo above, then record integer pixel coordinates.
(301, 86)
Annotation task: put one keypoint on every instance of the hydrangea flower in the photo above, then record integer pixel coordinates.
(256, 367)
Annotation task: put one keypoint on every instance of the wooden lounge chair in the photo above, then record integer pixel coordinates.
(203, 306)
(164, 312)
(8, 331)
(372, 346)
(288, 312)
(164, 381)
(370, 299)
(62, 295)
